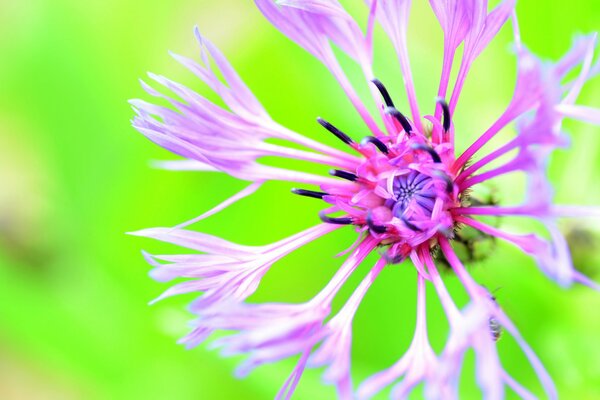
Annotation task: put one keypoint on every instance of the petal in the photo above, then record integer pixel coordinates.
(198, 241)
(489, 370)
(287, 390)
(483, 305)
(416, 365)
(392, 15)
(539, 85)
(183, 165)
(588, 44)
(574, 211)
(582, 113)
(238, 196)
(553, 256)
(456, 18)
(484, 29)
(584, 280)
(312, 25)
(230, 271)
(229, 140)
(517, 387)
(530, 84)
(335, 349)
(236, 95)
(534, 361)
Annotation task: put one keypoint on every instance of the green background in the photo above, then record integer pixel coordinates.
(74, 320)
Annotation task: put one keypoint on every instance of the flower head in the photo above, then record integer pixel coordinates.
(404, 189)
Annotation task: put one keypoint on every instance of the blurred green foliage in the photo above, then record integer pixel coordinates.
(74, 320)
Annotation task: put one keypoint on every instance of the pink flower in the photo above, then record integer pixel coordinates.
(405, 191)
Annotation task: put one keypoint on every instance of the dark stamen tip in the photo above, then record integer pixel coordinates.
(447, 179)
(378, 143)
(446, 110)
(374, 227)
(339, 134)
(309, 193)
(434, 155)
(336, 221)
(410, 225)
(343, 174)
(400, 118)
(397, 259)
(384, 93)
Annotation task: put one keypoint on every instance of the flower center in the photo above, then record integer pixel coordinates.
(402, 190)
(413, 188)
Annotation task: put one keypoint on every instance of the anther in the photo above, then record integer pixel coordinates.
(410, 225)
(434, 155)
(336, 221)
(397, 259)
(378, 143)
(339, 134)
(343, 174)
(373, 226)
(384, 93)
(400, 117)
(446, 111)
(447, 179)
(309, 193)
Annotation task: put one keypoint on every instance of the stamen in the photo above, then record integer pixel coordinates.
(400, 117)
(434, 155)
(339, 134)
(309, 193)
(384, 93)
(374, 227)
(447, 179)
(343, 174)
(378, 143)
(446, 110)
(410, 225)
(393, 260)
(336, 221)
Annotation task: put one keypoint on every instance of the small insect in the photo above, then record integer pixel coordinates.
(494, 325)
(495, 328)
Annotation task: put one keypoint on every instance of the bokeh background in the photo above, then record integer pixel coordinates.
(74, 176)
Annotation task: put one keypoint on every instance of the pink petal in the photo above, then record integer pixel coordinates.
(393, 17)
(582, 113)
(238, 196)
(484, 29)
(312, 25)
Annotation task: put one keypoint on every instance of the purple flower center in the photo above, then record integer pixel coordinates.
(414, 189)
(402, 190)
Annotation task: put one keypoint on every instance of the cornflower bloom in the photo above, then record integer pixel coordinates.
(404, 190)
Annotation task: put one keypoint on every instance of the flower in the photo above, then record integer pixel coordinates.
(405, 191)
